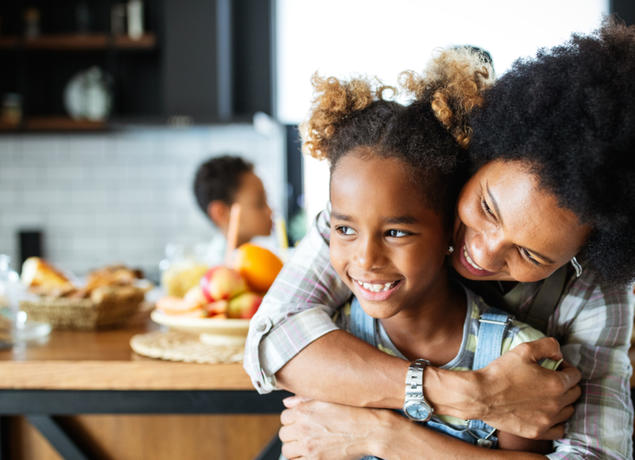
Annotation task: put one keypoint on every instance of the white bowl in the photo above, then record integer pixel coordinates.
(211, 331)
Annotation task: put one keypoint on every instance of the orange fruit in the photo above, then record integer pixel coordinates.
(259, 266)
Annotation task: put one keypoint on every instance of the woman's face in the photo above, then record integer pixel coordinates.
(509, 229)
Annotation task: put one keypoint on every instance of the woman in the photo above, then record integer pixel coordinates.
(552, 199)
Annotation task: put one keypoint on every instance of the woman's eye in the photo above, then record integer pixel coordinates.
(527, 255)
(487, 209)
(397, 233)
(344, 230)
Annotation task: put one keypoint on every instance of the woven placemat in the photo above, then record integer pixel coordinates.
(180, 346)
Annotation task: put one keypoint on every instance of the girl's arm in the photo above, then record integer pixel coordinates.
(294, 344)
(322, 430)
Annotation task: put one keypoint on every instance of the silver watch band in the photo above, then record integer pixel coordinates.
(414, 378)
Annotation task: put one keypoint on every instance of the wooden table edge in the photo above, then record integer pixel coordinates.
(121, 375)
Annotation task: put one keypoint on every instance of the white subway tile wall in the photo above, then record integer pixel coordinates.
(121, 197)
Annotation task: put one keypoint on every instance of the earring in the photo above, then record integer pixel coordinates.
(450, 249)
(577, 267)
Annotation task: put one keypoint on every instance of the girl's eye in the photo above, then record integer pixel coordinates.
(393, 233)
(344, 230)
(527, 255)
(486, 209)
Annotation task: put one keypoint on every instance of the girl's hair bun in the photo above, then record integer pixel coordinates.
(334, 102)
(453, 84)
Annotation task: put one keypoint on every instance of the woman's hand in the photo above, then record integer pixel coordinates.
(522, 398)
(321, 430)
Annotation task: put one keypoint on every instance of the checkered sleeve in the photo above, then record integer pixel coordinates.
(595, 323)
(296, 310)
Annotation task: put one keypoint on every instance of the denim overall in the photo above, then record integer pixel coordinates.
(493, 324)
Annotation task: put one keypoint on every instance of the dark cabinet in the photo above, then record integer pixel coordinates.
(196, 61)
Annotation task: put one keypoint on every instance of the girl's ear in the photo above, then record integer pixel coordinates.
(218, 212)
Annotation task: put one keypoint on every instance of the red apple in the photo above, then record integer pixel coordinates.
(222, 283)
(244, 306)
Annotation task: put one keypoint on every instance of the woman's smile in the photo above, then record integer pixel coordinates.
(470, 265)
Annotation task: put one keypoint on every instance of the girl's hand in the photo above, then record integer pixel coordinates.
(320, 430)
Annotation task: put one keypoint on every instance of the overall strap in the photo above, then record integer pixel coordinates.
(362, 325)
(489, 344)
(547, 299)
(491, 331)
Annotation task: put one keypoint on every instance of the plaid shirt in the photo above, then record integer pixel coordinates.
(592, 321)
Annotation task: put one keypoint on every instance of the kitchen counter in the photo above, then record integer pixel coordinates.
(86, 372)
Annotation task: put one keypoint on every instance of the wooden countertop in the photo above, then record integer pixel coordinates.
(103, 360)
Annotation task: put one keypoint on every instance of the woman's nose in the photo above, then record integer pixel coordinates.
(487, 250)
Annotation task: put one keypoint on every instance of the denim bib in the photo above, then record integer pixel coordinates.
(493, 324)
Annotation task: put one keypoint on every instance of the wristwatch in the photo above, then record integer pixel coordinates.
(415, 405)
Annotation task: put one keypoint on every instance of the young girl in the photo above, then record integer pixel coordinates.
(395, 174)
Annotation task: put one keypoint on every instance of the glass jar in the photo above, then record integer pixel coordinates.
(183, 267)
(14, 326)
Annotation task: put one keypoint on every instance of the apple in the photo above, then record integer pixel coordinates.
(194, 296)
(222, 283)
(244, 306)
(216, 308)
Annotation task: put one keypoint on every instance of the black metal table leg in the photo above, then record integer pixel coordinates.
(58, 438)
(4, 437)
(272, 450)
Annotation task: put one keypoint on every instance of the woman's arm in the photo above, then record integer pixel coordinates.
(293, 344)
(513, 393)
(319, 430)
(595, 323)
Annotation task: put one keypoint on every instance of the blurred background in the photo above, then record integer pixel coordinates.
(107, 107)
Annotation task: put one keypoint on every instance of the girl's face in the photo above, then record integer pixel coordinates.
(508, 229)
(387, 245)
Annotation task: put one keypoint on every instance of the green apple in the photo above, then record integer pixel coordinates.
(244, 306)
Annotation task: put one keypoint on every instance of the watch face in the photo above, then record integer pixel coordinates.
(417, 411)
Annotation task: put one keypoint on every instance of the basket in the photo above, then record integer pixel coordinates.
(107, 307)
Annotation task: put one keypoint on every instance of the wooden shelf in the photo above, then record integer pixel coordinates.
(9, 42)
(79, 42)
(5, 126)
(61, 123)
(146, 41)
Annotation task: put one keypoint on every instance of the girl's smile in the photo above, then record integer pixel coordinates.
(374, 290)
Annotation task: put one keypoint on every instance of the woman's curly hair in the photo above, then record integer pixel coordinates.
(428, 134)
(569, 114)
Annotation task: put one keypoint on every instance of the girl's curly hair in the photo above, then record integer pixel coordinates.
(569, 114)
(428, 134)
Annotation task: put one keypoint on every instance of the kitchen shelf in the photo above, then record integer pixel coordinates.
(79, 42)
(53, 123)
(9, 42)
(61, 123)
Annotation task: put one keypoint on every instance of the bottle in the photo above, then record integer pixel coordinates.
(135, 19)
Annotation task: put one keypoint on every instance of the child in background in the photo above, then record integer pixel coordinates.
(223, 181)
(395, 174)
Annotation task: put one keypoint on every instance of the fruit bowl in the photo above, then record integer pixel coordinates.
(212, 331)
